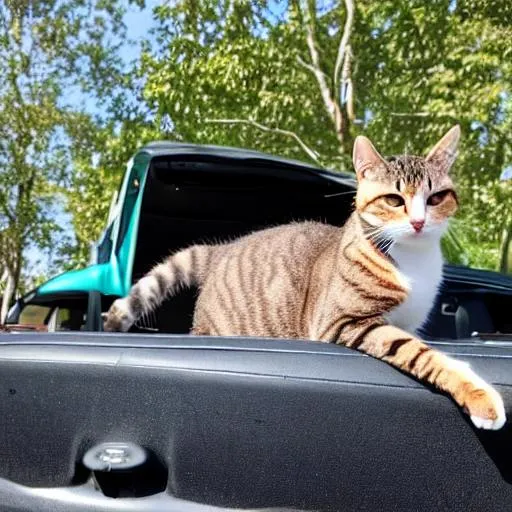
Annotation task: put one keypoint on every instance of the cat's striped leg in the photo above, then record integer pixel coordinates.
(402, 350)
(180, 270)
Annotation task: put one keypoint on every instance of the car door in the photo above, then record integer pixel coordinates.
(152, 423)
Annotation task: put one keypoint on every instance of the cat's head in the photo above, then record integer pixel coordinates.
(407, 199)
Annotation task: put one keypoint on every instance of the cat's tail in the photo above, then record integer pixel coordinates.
(182, 269)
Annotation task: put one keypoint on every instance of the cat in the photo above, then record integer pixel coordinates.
(367, 285)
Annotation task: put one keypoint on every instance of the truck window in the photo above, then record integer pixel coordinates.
(34, 314)
(69, 319)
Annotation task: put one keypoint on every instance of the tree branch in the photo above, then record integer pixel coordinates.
(310, 152)
(331, 99)
(325, 91)
(342, 49)
(6, 210)
(347, 87)
(422, 114)
(309, 67)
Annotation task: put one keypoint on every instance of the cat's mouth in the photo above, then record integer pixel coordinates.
(429, 234)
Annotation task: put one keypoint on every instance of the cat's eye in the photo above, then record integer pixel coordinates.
(394, 200)
(437, 198)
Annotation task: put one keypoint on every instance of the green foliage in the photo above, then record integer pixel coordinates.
(418, 68)
(235, 61)
(100, 154)
(49, 50)
(258, 74)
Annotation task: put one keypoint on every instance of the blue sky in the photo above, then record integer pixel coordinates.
(138, 24)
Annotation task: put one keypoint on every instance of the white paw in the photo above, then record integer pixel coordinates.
(483, 399)
(119, 317)
(501, 417)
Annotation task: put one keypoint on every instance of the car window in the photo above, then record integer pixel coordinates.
(104, 248)
(33, 314)
(69, 319)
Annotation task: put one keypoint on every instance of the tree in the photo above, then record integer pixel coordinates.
(303, 81)
(48, 48)
(100, 152)
(237, 61)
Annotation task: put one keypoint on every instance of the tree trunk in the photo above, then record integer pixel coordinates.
(10, 287)
(13, 272)
(505, 264)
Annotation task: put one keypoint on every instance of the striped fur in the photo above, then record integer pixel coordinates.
(184, 269)
(337, 285)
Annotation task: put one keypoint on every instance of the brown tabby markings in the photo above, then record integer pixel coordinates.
(315, 281)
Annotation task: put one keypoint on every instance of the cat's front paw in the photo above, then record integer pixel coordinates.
(479, 399)
(486, 409)
(119, 317)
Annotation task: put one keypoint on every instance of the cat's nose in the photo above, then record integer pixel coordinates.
(417, 225)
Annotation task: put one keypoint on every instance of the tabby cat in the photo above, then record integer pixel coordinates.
(368, 285)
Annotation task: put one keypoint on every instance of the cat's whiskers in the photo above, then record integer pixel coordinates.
(386, 245)
(375, 234)
(349, 193)
(379, 234)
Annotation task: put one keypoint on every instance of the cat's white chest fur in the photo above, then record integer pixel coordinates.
(421, 267)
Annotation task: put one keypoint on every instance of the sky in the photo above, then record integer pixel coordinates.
(138, 24)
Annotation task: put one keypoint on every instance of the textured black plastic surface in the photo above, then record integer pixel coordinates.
(245, 423)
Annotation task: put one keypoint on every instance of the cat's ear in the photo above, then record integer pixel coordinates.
(445, 151)
(365, 157)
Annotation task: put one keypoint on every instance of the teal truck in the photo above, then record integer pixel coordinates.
(173, 195)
